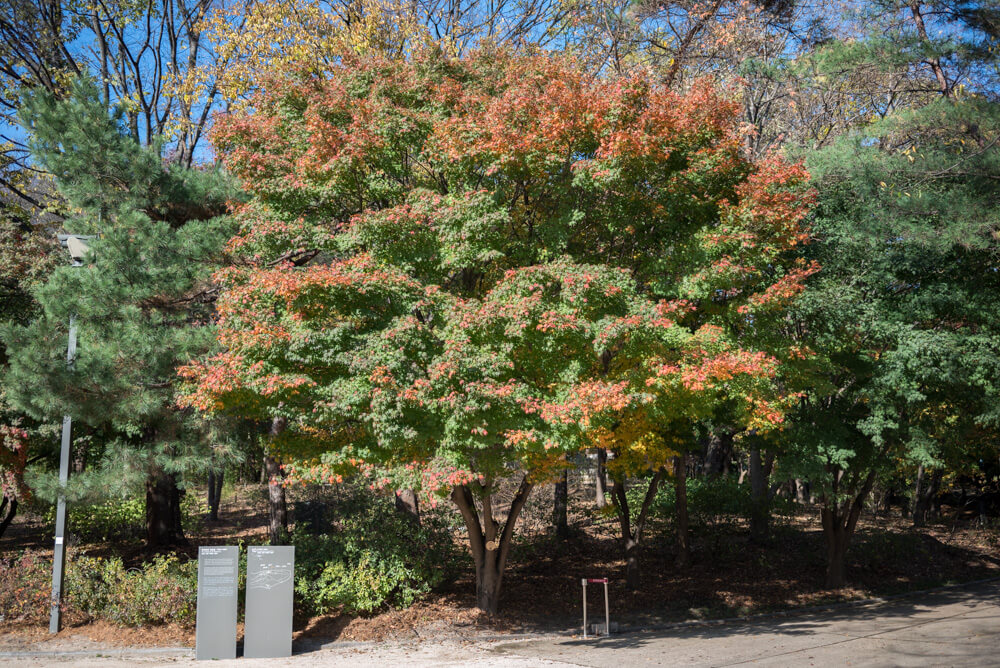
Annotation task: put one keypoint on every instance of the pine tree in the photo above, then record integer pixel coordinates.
(142, 302)
(906, 306)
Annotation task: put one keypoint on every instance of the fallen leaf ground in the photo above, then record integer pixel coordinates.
(729, 576)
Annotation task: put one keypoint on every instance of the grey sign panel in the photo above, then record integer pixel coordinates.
(215, 632)
(267, 631)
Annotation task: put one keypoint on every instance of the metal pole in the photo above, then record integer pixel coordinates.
(584, 583)
(60, 546)
(607, 610)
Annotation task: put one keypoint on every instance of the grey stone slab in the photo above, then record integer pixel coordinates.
(267, 631)
(215, 630)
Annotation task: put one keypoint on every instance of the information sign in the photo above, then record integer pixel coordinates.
(215, 630)
(270, 580)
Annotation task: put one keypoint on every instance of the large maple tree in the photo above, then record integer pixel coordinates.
(457, 272)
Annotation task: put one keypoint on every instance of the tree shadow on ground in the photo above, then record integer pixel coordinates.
(920, 629)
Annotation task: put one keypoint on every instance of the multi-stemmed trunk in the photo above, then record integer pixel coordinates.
(489, 539)
(631, 532)
(924, 493)
(840, 519)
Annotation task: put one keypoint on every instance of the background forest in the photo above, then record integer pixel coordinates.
(665, 291)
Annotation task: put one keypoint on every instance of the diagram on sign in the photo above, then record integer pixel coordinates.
(269, 577)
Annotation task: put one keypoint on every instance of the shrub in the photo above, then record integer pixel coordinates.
(25, 584)
(373, 558)
(710, 501)
(161, 591)
(121, 519)
(114, 519)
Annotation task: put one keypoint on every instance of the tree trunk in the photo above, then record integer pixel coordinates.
(215, 480)
(918, 487)
(839, 522)
(176, 494)
(934, 62)
(760, 495)
(407, 504)
(213, 513)
(926, 491)
(489, 540)
(602, 478)
(719, 453)
(633, 576)
(11, 512)
(163, 512)
(489, 577)
(801, 491)
(837, 540)
(683, 558)
(79, 456)
(560, 510)
(277, 505)
(631, 534)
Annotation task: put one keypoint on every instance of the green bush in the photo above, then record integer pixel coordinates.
(374, 558)
(194, 509)
(114, 519)
(121, 519)
(161, 591)
(710, 501)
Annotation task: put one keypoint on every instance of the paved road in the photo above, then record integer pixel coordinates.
(956, 627)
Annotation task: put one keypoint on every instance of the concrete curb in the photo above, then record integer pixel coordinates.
(110, 653)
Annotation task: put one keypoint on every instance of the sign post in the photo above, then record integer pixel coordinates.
(267, 631)
(607, 608)
(215, 630)
(59, 551)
